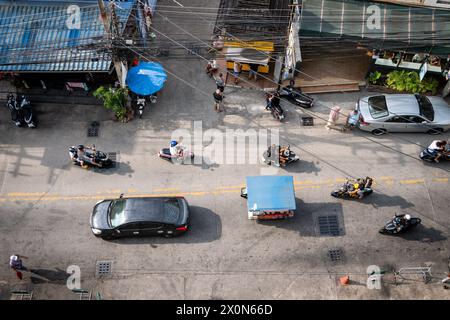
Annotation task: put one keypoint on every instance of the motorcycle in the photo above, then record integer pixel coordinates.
(363, 184)
(27, 112)
(141, 103)
(399, 224)
(296, 97)
(429, 154)
(279, 159)
(165, 154)
(91, 157)
(277, 113)
(273, 104)
(16, 114)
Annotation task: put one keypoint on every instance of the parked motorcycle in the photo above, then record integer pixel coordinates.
(296, 97)
(165, 154)
(400, 224)
(141, 103)
(14, 108)
(27, 112)
(91, 157)
(347, 191)
(279, 156)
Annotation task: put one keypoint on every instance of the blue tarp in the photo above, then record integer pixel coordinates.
(270, 193)
(146, 78)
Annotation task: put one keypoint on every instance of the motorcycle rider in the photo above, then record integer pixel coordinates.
(284, 155)
(176, 150)
(81, 154)
(402, 221)
(356, 188)
(438, 146)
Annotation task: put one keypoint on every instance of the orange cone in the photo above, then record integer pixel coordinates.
(344, 280)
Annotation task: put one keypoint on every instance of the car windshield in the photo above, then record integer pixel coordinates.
(425, 107)
(171, 210)
(378, 107)
(117, 213)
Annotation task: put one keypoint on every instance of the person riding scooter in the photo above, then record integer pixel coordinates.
(438, 147)
(176, 150)
(356, 188)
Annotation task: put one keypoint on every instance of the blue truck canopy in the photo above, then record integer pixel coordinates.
(270, 193)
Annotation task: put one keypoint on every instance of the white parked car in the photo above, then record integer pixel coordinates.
(383, 113)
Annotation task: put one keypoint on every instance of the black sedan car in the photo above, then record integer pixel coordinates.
(131, 217)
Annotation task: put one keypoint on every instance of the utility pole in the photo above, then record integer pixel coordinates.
(113, 33)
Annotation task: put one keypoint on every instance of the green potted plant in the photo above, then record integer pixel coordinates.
(114, 99)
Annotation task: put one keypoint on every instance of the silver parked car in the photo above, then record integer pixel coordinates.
(403, 113)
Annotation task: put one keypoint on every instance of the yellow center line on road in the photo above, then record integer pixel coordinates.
(170, 192)
(412, 181)
(440, 180)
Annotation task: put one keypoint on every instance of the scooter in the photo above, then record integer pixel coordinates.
(165, 154)
(277, 113)
(272, 156)
(296, 96)
(92, 157)
(399, 224)
(16, 114)
(141, 103)
(429, 155)
(27, 112)
(365, 185)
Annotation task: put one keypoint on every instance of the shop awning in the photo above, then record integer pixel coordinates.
(380, 25)
(256, 52)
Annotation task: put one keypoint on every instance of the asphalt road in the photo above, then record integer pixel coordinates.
(46, 202)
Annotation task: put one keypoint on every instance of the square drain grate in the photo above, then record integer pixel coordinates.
(329, 225)
(92, 132)
(103, 268)
(114, 158)
(335, 255)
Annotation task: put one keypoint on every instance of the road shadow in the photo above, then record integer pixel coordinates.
(423, 234)
(379, 200)
(306, 219)
(303, 166)
(56, 276)
(118, 168)
(205, 226)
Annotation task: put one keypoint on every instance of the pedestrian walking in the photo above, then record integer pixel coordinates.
(220, 82)
(236, 71)
(253, 72)
(218, 99)
(15, 262)
(333, 117)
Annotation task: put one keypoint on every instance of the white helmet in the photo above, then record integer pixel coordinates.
(407, 217)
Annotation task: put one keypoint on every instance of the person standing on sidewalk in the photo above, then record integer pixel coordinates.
(218, 99)
(253, 72)
(333, 117)
(220, 82)
(15, 262)
(236, 71)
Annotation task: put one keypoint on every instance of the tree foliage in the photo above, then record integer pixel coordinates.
(114, 99)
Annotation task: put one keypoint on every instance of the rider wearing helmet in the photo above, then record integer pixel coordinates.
(175, 148)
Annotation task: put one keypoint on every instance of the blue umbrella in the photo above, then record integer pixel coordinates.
(146, 78)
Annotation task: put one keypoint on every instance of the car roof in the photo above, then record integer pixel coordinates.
(145, 209)
(402, 104)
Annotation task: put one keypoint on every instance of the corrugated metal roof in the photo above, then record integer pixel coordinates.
(374, 21)
(36, 37)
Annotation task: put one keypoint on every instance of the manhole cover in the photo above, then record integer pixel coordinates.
(92, 132)
(103, 268)
(335, 255)
(114, 158)
(329, 225)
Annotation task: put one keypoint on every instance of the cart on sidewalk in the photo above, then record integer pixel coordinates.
(269, 197)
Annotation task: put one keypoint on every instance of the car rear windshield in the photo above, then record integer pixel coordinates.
(172, 208)
(425, 107)
(117, 213)
(378, 107)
